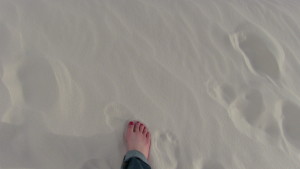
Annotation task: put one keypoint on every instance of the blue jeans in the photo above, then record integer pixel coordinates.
(135, 160)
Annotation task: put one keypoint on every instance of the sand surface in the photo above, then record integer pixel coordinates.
(216, 82)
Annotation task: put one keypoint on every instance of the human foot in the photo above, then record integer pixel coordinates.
(138, 138)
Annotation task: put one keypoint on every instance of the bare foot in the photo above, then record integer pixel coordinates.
(138, 138)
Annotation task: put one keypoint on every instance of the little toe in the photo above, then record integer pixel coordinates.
(148, 137)
(137, 126)
(145, 130)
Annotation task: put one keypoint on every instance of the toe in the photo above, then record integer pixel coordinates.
(148, 135)
(137, 126)
(130, 126)
(142, 126)
(145, 130)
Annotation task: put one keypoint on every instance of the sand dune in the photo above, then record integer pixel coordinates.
(216, 82)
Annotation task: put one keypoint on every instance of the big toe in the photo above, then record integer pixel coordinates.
(130, 126)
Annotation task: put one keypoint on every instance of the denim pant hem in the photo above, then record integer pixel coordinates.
(135, 160)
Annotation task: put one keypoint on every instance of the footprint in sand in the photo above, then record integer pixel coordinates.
(250, 107)
(249, 115)
(115, 116)
(246, 111)
(39, 85)
(247, 107)
(261, 52)
(45, 86)
(290, 123)
(164, 150)
(31, 84)
(224, 93)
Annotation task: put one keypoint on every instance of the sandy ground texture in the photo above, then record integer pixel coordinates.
(216, 82)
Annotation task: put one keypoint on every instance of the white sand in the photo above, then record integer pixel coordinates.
(216, 82)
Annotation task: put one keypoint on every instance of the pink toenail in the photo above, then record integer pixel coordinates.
(131, 123)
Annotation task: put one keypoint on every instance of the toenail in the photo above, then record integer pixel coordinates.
(131, 123)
